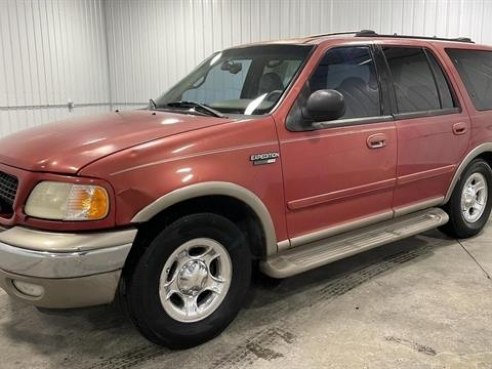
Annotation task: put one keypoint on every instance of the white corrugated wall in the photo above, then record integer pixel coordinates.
(119, 53)
(51, 52)
(152, 44)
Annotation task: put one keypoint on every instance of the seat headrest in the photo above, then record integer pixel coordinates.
(270, 82)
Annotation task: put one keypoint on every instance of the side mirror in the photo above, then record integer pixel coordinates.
(324, 105)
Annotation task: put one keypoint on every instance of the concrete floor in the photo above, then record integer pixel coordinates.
(425, 302)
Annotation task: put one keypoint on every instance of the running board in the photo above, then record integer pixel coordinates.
(303, 258)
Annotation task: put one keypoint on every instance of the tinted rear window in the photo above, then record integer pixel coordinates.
(419, 82)
(475, 69)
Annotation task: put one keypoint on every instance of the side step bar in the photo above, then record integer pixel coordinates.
(316, 254)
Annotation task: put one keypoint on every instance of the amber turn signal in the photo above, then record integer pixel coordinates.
(67, 201)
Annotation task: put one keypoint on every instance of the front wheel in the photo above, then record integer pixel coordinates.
(470, 204)
(190, 282)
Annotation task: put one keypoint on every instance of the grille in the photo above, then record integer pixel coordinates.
(8, 190)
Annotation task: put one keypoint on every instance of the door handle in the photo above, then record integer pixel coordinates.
(459, 128)
(377, 141)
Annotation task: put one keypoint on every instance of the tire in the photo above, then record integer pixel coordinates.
(464, 219)
(183, 258)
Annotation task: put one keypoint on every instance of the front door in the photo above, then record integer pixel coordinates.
(339, 174)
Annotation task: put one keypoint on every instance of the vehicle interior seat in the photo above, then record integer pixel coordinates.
(416, 98)
(360, 99)
(270, 82)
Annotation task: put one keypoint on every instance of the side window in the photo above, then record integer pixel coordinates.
(418, 80)
(350, 71)
(475, 69)
(447, 101)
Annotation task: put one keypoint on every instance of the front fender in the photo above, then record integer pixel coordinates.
(212, 161)
(214, 188)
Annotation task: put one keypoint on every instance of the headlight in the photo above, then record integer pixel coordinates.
(66, 201)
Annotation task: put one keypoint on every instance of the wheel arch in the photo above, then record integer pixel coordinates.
(483, 151)
(207, 192)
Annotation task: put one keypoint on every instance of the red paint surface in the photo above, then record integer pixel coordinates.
(322, 178)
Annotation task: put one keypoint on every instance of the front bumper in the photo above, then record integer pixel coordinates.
(71, 270)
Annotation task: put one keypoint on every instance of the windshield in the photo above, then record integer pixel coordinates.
(248, 80)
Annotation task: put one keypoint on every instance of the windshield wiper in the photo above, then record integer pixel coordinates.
(202, 108)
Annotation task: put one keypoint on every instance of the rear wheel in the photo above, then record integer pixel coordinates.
(470, 204)
(190, 282)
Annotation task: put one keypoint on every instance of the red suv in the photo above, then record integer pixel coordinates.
(293, 154)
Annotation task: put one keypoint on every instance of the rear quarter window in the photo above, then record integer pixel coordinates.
(475, 70)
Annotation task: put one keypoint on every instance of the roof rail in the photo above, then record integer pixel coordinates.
(370, 33)
(333, 34)
(364, 32)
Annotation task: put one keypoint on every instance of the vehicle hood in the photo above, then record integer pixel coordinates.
(68, 146)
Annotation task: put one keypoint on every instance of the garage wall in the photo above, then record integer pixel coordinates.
(105, 54)
(51, 52)
(152, 44)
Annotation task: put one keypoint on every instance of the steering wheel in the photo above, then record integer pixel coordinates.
(273, 95)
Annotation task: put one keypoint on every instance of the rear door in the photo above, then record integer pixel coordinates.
(433, 131)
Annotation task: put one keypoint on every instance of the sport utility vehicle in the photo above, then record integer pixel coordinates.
(294, 154)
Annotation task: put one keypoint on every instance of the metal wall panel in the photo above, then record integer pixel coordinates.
(154, 43)
(51, 51)
(119, 53)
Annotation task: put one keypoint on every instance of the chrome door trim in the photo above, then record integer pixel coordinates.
(426, 174)
(283, 245)
(412, 208)
(344, 194)
(366, 221)
(340, 228)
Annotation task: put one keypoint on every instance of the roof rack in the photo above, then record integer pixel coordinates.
(333, 34)
(371, 33)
